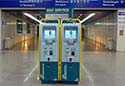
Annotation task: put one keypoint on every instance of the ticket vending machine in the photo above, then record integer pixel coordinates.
(48, 51)
(71, 51)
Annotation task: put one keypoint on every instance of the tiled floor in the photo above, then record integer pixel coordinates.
(19, 68)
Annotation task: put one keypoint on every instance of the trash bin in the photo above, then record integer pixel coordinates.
(110, 44)
(7, 43)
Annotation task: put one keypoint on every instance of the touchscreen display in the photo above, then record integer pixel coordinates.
(49, 34)
(70, 34)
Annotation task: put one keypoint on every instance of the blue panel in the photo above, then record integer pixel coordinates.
(62, 3)
(70, 72)
(49, 73)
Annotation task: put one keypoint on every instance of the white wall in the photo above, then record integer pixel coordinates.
(9, 29)
(103, 28)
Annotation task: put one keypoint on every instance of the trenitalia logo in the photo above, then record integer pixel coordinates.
(121, 13)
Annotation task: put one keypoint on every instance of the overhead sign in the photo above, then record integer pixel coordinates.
(59, 13)
(62, 3)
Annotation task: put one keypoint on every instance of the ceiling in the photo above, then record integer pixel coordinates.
(20, 14)
(81, 14)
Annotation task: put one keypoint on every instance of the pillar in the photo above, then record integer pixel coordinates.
(0, 30)
(121, 31)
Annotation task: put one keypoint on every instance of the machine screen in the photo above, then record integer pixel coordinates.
(49, 34)
(70, 34)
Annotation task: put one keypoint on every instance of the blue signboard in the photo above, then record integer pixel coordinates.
(62, 3)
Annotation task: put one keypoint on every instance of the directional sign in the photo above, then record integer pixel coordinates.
(62, 3)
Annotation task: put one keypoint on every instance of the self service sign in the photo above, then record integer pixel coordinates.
(62, 3)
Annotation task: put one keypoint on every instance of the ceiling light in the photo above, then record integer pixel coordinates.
(88, 17)
(80, 14)
(105, 23)
(32, 17)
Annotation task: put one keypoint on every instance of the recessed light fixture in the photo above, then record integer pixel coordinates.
(101, 23)
(88, 17)
(32, 17)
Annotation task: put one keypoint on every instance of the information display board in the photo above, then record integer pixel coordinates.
(62, 3)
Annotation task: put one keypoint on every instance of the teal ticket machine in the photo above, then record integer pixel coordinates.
(71, 52)
(49, 52)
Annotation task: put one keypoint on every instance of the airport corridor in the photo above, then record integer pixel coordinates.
(100, 68)
(62, 42)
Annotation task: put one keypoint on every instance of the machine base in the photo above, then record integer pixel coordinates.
(69, 82)
(58, 82)
(49, 72)
(70, 72)
(48, 82)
